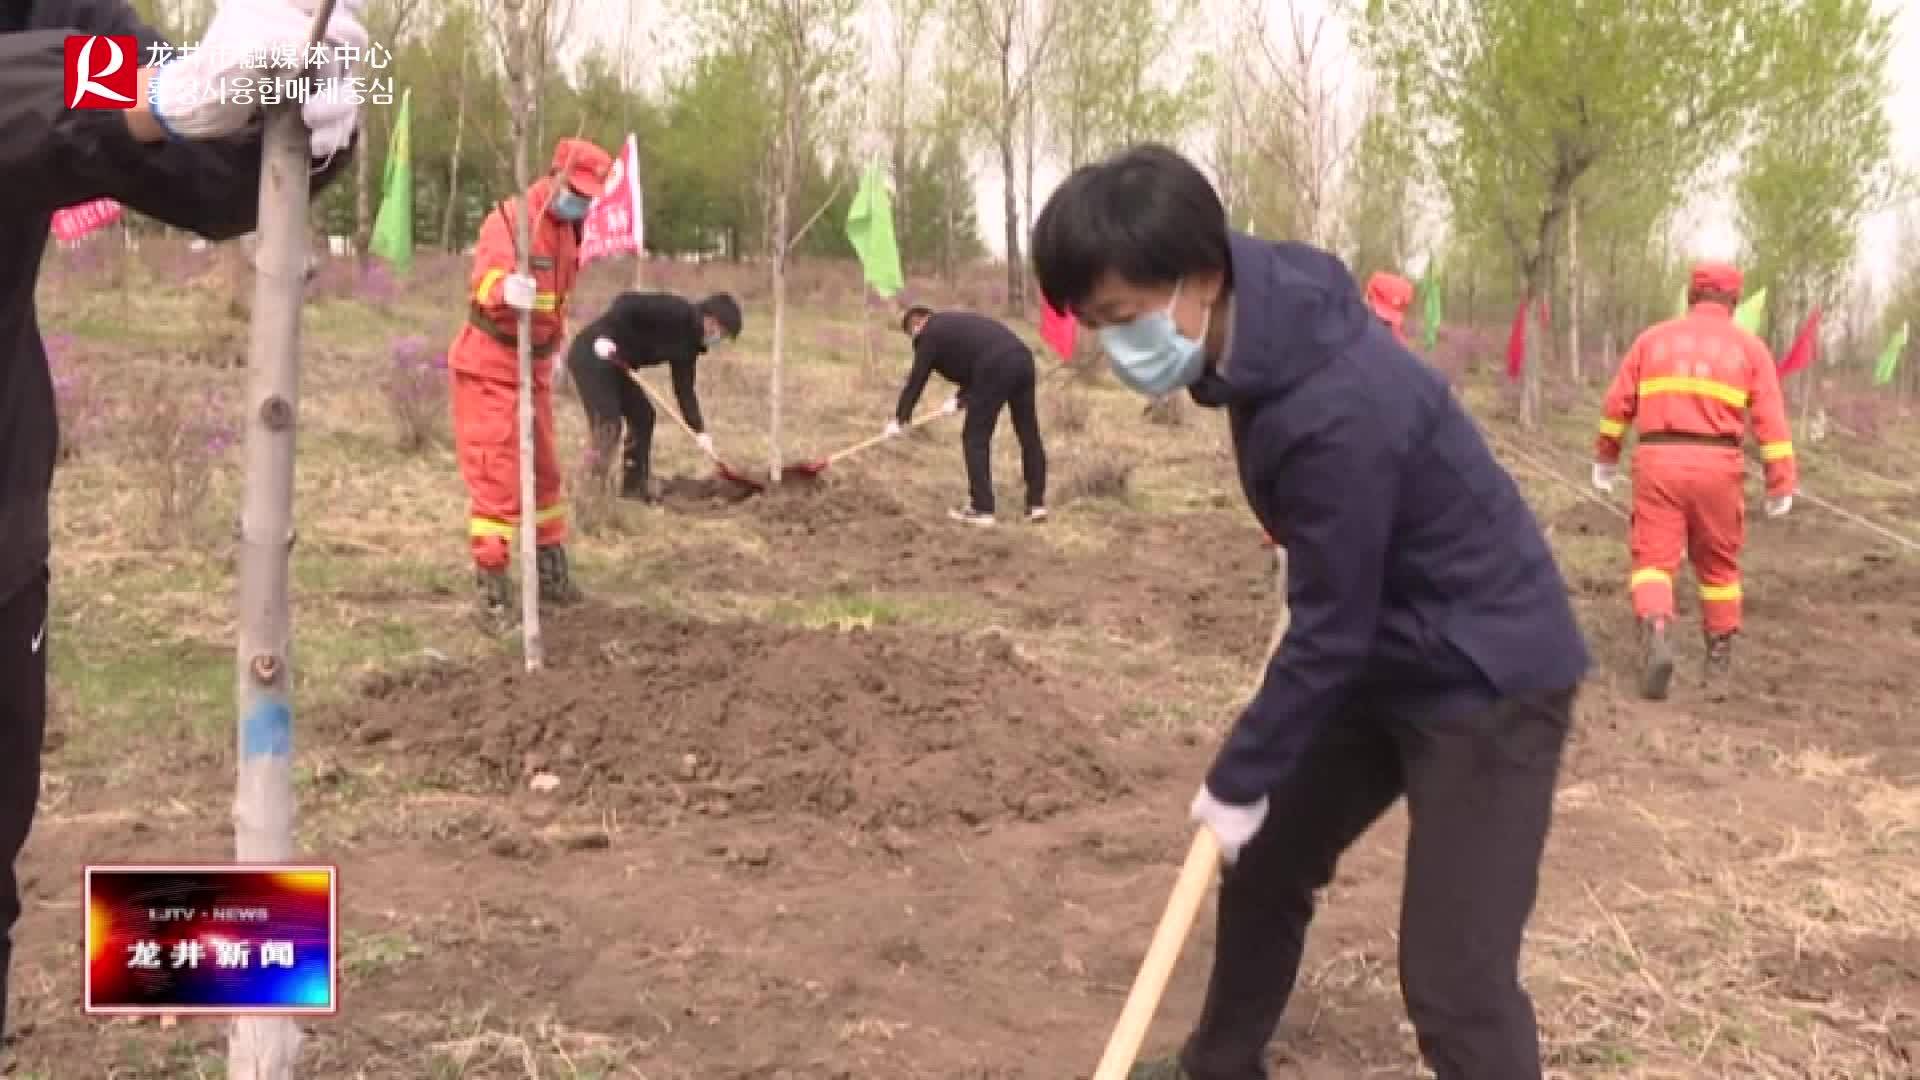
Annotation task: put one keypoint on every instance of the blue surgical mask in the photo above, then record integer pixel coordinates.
(1150, 355)
(569, 205)
(715, 339)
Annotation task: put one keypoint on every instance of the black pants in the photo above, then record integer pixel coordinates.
(23, 725)
(1008, 385)
(611, 398)
(1479, 796)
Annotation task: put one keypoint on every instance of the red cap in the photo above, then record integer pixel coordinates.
(1389, 295)
(1717, 277)
(584, 166)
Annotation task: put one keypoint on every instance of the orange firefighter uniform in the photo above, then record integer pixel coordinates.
(1389, 295)
(1687, 386)
(484, 359)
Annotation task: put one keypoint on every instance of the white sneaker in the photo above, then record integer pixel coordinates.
(1036, 514)
(969, 516)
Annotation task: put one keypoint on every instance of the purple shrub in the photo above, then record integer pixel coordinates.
(82, 406)
(415, 387)
(174, 444)
(376, 285)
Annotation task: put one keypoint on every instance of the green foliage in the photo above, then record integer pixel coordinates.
(1379, 210)
(1102, 90)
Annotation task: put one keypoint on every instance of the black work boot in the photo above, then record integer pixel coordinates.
(1719, 655)
(636, 483)
(556, 584)
(1656, 667)
(493, 600)
(1167, 1068)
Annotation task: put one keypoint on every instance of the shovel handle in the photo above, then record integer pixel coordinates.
(878, 439)
(661, 404)
(1203, 857)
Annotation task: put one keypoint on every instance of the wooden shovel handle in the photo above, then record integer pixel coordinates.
(1203, 858)
(661, 404)
(878, 439)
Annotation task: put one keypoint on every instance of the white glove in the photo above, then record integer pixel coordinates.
(893, 428)
(1604, 476)
(519, 291)
(705, 442)
(1233, 826)
(952, 406)
(197, 95)
(603, 348)
(1779, 507)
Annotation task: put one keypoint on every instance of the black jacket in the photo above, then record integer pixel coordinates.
(1418, 578)
(652, 328)
(967, 350)
(53, 156)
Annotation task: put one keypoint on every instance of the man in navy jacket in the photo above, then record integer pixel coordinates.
(1432, 652)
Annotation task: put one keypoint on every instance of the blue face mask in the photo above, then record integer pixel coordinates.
(1150, 355)
(569, 205)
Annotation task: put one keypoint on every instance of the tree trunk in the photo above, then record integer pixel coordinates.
(447, 239)
(1573, 293)
(520, 88)
(363, 197)
(1010, 203)
(265, 1047)
(783, 183)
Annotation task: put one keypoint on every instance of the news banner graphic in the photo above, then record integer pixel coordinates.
(103, 72)
(222, 939)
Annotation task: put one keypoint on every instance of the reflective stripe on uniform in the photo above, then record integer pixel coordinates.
(479, 527)
(487, 282)
(545, 301)
(1776, 451)
(1612, 429)
(1682, 384)
(556, 512)
(1711, 593)
(1649, 574)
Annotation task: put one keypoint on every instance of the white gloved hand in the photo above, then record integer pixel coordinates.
(705, 442)
(604, 348)
(893, 428)
(1233, 826)
(1604, 476)
(952, 406)
(1779, 507)
(197, 95)
(519, 291)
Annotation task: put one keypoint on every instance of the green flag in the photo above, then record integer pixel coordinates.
(393, 227)
(1751, 313)
(1890, 359)
(870, 228)
(1429, 308)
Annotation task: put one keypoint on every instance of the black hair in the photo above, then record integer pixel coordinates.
(906, 320)
(724, 311)
(1146, 214)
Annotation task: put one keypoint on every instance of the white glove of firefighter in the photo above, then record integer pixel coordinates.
(520, 291)
(603, 348)
(952, 406)
(1779, 507)
(1604, 476)
(1232, 825)
(198, 95)
(705, 442)
(892, 429)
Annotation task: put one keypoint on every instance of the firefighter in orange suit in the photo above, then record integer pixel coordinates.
(485, 366)
(1686, 387)
(1389, 295)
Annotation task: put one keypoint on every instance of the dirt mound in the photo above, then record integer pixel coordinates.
(661, 715)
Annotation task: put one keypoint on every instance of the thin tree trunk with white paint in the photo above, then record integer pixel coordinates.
(520, 95)
(1573, 291)
(784, 169)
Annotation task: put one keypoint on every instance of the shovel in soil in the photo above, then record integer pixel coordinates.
(807, 470)
(720, 468)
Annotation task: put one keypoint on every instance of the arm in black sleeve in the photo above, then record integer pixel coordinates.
(916, 379)
(683, 392)
(54, 156)
(1335, 489)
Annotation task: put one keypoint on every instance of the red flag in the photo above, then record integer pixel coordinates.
(1058, 331)
(614, 223)
(1517, 343)
(1804, 345)
(70, 223)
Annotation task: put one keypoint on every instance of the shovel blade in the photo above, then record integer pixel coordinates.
(805, 470)
(728, 474)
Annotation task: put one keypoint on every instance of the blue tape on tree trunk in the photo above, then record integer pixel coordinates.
(268, 729)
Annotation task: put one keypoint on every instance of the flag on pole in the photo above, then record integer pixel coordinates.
(615, 223)
(1804, 345)
(870, 229)
(70, 223)
(392, 237)
(1058, 331)
(1517, 344)
(1890, 358)
(1429, 308)
(1751, 315)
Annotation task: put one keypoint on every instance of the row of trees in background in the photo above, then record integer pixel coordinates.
(1517, 147)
